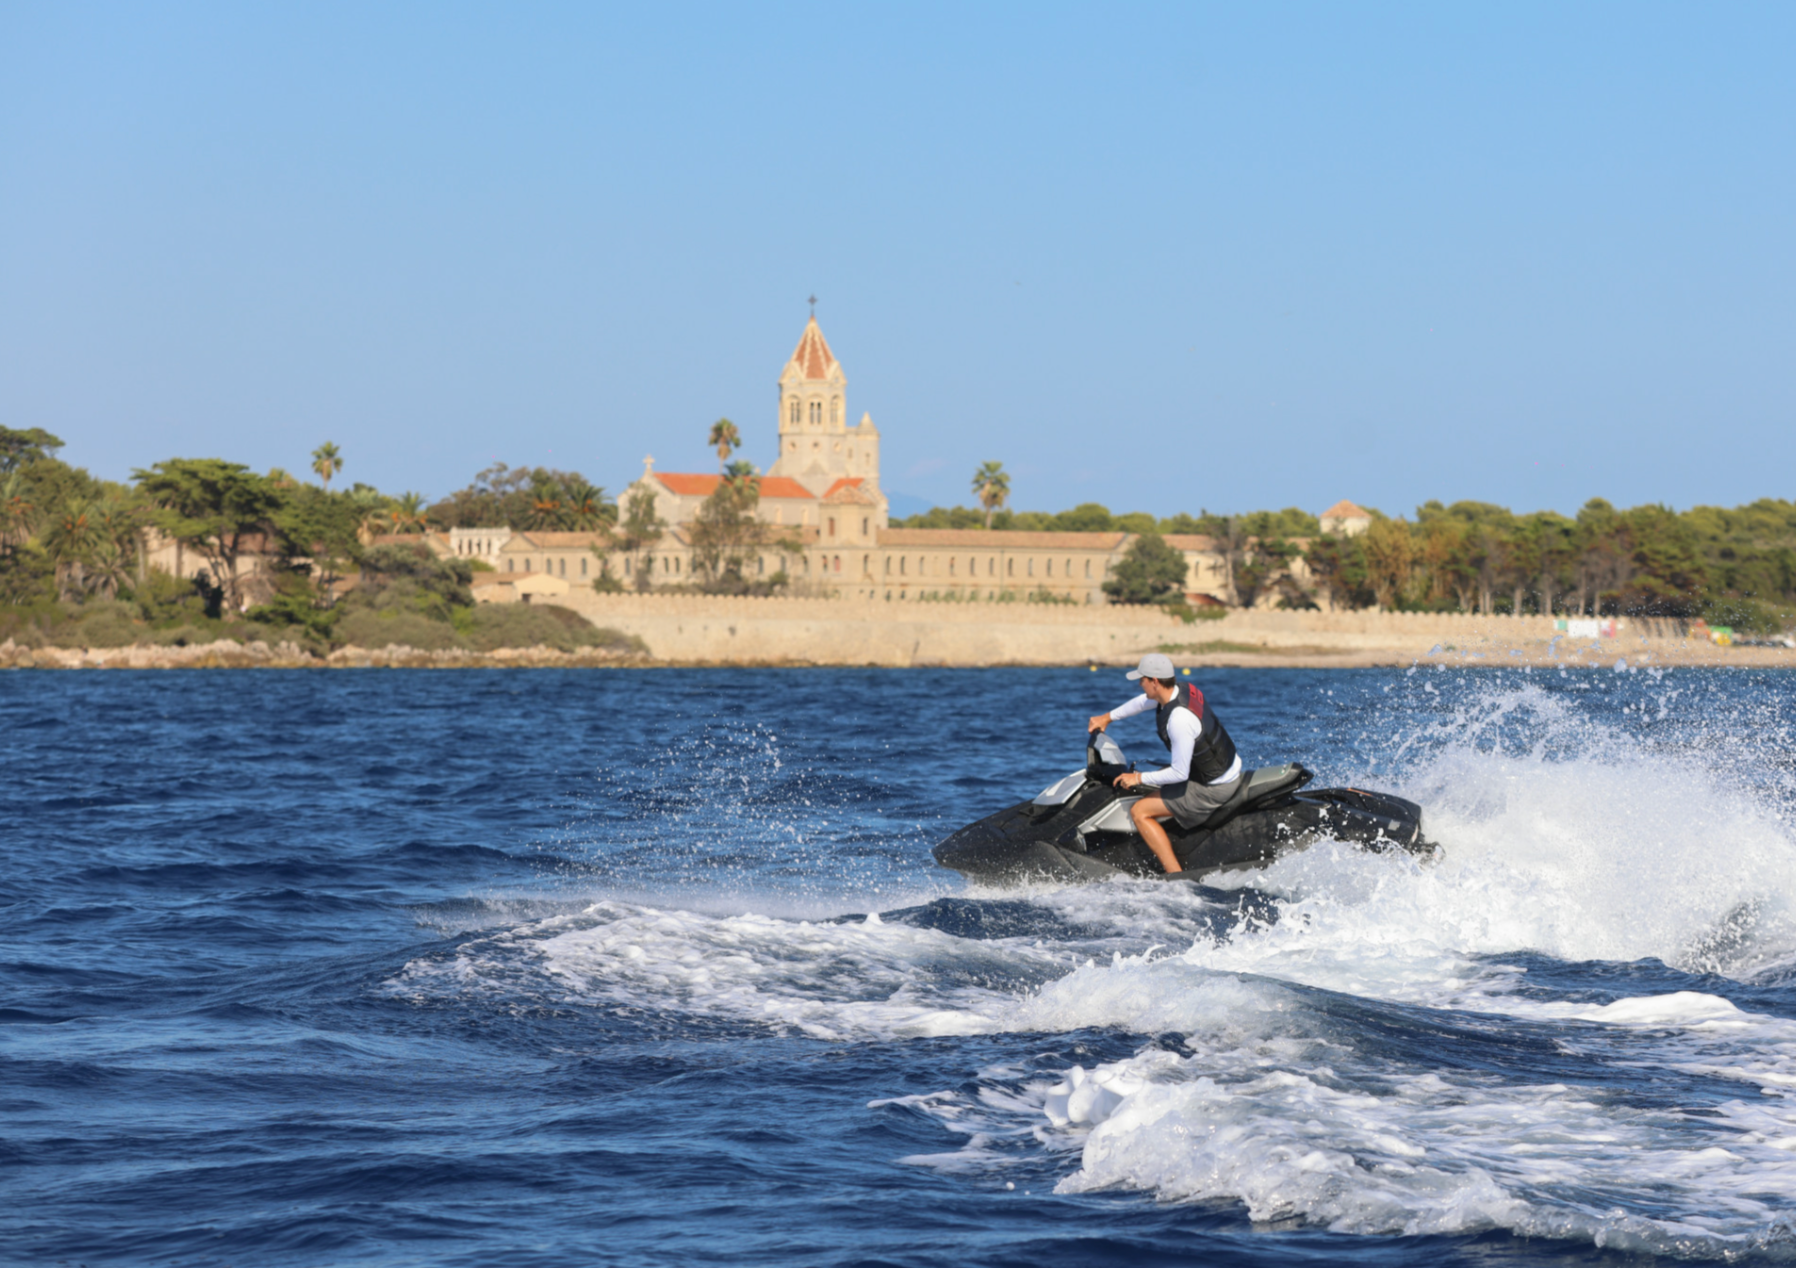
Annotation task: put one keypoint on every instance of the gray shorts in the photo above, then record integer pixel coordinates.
(1192, 803)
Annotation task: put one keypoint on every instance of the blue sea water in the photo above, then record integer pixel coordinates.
(654, 967)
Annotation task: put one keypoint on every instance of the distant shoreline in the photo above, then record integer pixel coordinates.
(1638, 654)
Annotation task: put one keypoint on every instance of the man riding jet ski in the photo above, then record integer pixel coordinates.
(1201, 814)
(1204, 772)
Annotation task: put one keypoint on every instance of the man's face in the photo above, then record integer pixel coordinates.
(1156, 692)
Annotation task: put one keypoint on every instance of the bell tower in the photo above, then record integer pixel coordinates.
(812, 404)
(817, 446)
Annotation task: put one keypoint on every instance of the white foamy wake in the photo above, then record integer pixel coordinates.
(1274, 1105)
(859, 978)
(1428, 1154)
(1591, 860)
(1285, 1089)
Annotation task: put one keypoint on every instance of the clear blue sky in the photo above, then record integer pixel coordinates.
(1163, 258)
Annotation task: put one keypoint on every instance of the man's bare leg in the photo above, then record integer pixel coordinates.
(1146, 815)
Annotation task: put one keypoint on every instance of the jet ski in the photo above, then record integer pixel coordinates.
(1078, 828)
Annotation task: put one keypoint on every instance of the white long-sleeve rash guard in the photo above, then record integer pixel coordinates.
(1183, 729)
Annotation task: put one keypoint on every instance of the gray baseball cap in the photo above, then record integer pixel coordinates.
(1153, 665)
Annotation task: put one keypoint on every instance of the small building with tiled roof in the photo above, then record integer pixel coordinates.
(519, 587)
(1346, 519)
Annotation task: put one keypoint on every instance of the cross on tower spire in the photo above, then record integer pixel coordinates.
(813, 305)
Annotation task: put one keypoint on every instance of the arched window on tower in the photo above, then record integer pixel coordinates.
(835, 410)
(792, 412)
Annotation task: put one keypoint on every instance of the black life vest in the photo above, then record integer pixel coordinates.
(1214, 752)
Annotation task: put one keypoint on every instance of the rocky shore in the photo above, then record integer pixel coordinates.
(228, 654)
(1479, 652)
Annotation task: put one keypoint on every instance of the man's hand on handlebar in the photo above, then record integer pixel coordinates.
(1097, 723)
(1128, 779)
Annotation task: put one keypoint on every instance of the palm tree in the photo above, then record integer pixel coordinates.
(373, 512)
(407, 513)
(587, 508)
(327, 460)
(724, 438)
(108, 567)
(546, 505)
(70, 539)
(119, 522)
(991, 485)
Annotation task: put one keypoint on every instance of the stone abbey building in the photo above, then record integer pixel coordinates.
(823, 492)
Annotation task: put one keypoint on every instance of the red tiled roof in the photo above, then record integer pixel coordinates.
(849, 492)
(1345, 510)
(812, 356)
(690, 484)
(783, 487)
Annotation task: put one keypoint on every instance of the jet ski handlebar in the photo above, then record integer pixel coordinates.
(1104, 759)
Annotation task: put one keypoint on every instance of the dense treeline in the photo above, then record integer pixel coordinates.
(1735, 566)
(291, 560)
(526, 499)
(1092, 517)
(73, 550)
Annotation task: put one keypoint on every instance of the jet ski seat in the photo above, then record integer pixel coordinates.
(1258, 786)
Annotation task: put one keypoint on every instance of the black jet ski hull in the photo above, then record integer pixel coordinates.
(1087, 836)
